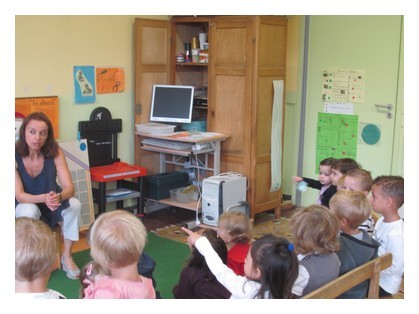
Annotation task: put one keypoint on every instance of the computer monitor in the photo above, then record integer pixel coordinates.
(172, 103)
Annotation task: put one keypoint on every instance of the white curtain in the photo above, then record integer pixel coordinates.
(276, 136)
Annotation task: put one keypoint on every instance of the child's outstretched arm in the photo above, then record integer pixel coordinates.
(297, 179)
(239, 286)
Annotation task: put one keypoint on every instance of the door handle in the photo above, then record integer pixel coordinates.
(388, 106)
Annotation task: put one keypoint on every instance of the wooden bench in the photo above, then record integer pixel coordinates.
(370, 270)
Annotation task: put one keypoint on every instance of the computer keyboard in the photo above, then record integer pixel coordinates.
(167, 144)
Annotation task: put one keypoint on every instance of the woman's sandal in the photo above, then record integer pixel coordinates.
(72, 274)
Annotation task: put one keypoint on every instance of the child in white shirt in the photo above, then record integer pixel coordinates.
(271, 268)
(387, 197)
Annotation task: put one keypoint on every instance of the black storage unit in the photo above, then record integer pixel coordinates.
(158, 186)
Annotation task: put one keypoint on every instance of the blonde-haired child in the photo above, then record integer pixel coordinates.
(35, 259)
(356, 245)
(315, 231)
(360, 180)
(234, 228)
(117, 240)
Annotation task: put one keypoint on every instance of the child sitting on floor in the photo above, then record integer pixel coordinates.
(234, 229)
(315, 230)
(196, 280)
(35, 259)
(270, 268)
(117, 240)
(356, 246)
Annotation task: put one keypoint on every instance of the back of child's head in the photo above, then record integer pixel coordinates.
(198, 260)
(278, 265)
(237, 225)
(343, 165)
(391, 186)
(117, 239)
(327, 161)
(353, 206)
(361, 178)
(90, 273)
(315, 230)
(35, 249)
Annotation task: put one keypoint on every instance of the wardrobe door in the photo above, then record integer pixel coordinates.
(152, 66)
(230, 89)
(270, 62)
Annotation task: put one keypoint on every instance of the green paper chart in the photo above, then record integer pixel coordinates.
(337, 136)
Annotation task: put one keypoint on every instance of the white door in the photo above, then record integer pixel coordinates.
(372, 44)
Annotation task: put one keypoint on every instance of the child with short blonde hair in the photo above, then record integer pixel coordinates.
(117, 240)
(356, 245)
(360, 180)
(35, 259)
(235, 229)
(315, 231)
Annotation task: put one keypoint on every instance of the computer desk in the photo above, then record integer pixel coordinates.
(193, 137)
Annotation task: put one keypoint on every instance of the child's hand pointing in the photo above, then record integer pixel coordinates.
(193, 236)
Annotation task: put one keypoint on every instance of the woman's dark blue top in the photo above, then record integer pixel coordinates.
(43, 183)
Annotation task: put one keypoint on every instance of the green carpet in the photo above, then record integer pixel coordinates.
(169, 255)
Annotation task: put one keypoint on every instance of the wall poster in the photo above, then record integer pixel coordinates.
(84, 84)
(337, 136)
(110, 80)
(341, 85)
(46, 104)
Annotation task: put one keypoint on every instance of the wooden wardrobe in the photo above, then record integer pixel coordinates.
(246, 54)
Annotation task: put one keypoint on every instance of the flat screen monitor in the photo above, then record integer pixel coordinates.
(172, 103)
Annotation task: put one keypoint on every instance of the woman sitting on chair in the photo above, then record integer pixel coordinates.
(39, 162)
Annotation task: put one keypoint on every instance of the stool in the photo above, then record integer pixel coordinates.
(58, 239)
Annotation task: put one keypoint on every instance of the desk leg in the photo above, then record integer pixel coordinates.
(217, 157)
(101, 198)
(162, 162)
(141, 199)
(119, 204)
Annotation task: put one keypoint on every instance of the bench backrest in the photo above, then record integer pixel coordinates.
(370, 270)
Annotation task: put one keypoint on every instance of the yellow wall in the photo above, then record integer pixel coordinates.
(47, 49)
